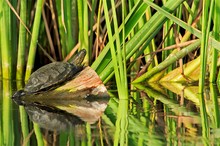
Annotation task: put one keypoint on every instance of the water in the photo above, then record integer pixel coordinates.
(156, 114)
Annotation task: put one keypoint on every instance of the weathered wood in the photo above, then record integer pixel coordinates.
(86, 79)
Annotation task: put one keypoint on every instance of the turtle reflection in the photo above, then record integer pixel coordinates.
(51, 119)
(65, 114)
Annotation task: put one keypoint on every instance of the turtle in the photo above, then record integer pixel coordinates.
(52, 75)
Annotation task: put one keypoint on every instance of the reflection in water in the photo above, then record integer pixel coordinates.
(61, 115)
(82, 99)
(6, 118)
(156, 116)
(79, 101)
(51, 119)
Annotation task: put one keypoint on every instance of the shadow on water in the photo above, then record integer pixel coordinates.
(157, 114)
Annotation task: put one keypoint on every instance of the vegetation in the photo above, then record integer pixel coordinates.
(128, 43)
(119, 37)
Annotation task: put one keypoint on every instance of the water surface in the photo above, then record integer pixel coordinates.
(155, 114)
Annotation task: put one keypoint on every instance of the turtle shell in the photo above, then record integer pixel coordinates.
(50, 76)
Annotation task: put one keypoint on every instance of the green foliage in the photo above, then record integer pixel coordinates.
(112, 38)
(127, 42)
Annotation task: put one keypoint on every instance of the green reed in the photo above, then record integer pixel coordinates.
(206, 21)
(83, 26)
(181, 23)
(68, 12)
(60, 7)
(63, 138)
(216, 31)
(194, 11)
(38, 135)
(168, 36)
(119, 63)
(23, 120)
(8, 128)
(6, 45)
(7, 121)
(184, 25)
(133, 34)
(121, 124)
(1, 133)
(22, 41)
(118, 56)
(71, 137)
(115, 42)
(131, 21)
(24, 126)
(168, 62)
(144, 35)
(216, 113)
(170, 122)
(91, 38)
(34, 39)
(204, 118)
(89, 134)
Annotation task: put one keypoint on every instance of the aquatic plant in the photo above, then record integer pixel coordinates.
(128, 42)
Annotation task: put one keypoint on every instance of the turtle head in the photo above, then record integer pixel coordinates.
(18, 94)
(17, 97)
(79, 57)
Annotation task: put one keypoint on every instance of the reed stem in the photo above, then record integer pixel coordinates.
(206, 22)
(34, 39)
(21, 41)
(167, 62)
(216, 32)
(38, 134)
(6, 47)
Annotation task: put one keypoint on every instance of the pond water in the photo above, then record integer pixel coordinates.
(155, 114)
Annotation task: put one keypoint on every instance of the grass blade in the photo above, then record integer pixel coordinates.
(167, 62)
(7, 122)
(144, 35)
(38, 134)
(196, 32)
(21, 42)
(83, 27)
(34, 38)
(5, 40)
(206, 22)
(216, 30)
(130, 22)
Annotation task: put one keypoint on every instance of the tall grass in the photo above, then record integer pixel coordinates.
(126, 41)
(118, 55)
(22, 41)
(23, 120)
(215, 103)
(131, 33)
(38, 134)
(7, 122)
(216, 22)
(34, 39)
(206, 22)
(119, 63)
(6, 45)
